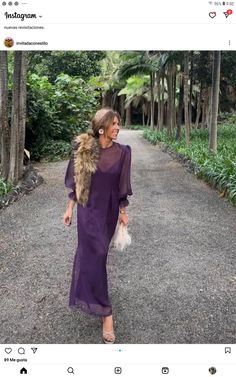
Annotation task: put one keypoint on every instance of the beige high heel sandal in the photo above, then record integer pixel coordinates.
(110, 334)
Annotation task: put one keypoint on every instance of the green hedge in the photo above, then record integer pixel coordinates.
(218, 169)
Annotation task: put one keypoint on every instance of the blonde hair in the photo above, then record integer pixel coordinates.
(103, 119)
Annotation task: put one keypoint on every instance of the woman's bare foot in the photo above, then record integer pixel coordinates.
(107, 330)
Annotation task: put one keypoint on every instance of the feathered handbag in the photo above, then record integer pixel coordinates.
(121, 238)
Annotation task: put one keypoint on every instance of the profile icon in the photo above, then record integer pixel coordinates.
(8, 42)
(212, 370)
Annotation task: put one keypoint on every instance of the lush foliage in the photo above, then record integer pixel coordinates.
(5, 187)
(84, 64)
(136, 89)
(218, 169)
(52, 150)
(229, 118)
(56, 113)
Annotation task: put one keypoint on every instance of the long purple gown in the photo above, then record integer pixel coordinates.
(96, 223)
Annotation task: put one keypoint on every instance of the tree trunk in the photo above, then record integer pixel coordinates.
(171, 85)
(144, 112)
(18, 117)
(4, 126)
(143, 117)
(204, 107)
(148, 115)
(114, 103)
(186, 99)
(203, 123)
(173, 95)
(159, 100)
(180, 106)
(162, 101)
(191, 88)
(199, 100)
(170, 100)
(22, 111)
(209, 108)
(107, 99)
(215, 100)
(152, 99)
(128, 116)
(122, 108)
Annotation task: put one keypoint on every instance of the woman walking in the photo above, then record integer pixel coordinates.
(98, 174)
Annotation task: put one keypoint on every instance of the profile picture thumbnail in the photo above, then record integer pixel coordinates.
(8, 42)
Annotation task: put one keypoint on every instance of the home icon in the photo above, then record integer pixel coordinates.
(23, 371)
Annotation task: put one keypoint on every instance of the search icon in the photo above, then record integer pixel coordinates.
(70, 370)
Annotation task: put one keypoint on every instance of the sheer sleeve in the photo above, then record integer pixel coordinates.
(124, 184)
(69, 177)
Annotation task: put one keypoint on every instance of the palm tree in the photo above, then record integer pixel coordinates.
(137, 93)
(142, 63)
(107, 81)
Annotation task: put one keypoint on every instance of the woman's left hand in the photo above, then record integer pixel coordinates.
(123, 218)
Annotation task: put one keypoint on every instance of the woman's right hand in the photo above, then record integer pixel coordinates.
(67, 217)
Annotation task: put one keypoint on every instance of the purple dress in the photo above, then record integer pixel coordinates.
(96, 223)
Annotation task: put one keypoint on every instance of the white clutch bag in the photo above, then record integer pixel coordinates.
(121, 238)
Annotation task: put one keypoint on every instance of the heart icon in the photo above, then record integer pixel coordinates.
(8, 350)
(212, 14)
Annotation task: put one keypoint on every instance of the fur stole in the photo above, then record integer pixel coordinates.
(86, 157)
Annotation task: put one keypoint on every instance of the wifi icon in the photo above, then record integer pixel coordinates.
(34, 349)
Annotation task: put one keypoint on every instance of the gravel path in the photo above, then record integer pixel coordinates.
(175, 284)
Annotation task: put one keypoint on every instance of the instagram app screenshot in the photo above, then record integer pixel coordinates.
(117, 188)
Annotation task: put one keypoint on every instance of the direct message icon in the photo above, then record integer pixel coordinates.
(228, 13)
